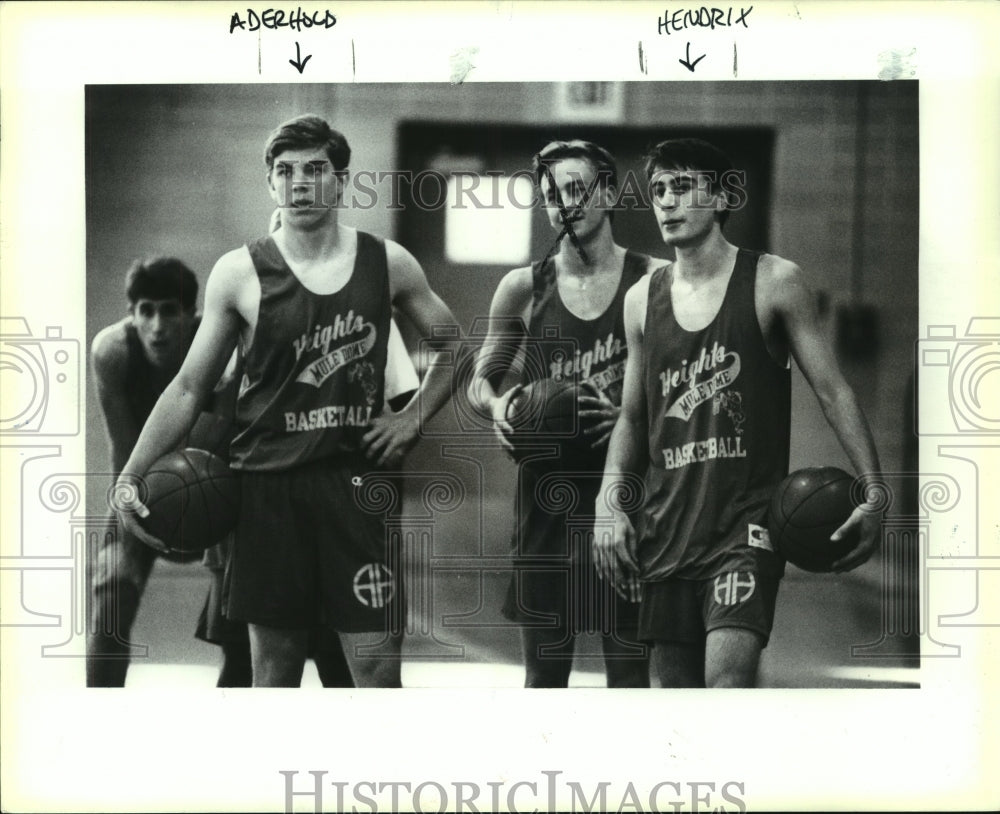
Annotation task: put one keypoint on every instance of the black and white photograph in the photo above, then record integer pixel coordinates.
(491, 515)
(489, 407)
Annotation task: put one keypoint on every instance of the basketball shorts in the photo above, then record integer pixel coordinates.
(566, 592)
(685, 610)
(307, 553)
(554, 582)
(213, 626)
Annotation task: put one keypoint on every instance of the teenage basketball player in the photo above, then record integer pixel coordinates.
(133, 360)
(310, 307)
(578, 291)
(324, 647)
(706, 414)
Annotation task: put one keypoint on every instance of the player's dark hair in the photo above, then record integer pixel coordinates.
(161, 278)
(304, 133)
(691, 154)
(600, 159)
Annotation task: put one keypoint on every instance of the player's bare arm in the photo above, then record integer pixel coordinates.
(509, 313)
(230, 304)
(615, 555)
(789, 312)
(109, 361)
(392, 435)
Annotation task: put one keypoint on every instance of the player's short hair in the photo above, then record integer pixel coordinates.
(307, 132)
(161, 278)
(691, 154)
(600, 159)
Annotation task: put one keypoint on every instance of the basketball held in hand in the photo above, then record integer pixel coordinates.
(807, 507)
(545, 409)
(546, 412)
(193, 500)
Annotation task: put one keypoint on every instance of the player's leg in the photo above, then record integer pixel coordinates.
(538, 600)
(731, 657)
(738, 609)
(626, 658)
(214, 628)
(679, 664)
(328, 654)
(278, 654)
(548, 656)
(626, 662)
(118, 578)
(232, 639)
(368, 596)
(375, 658)
(237, 666)
(670, 617)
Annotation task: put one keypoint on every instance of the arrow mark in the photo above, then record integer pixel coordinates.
(300, 63)
(687, 63)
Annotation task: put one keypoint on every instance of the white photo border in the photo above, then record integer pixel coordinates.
(67, 748)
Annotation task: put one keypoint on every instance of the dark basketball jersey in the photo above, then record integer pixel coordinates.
(142, 388)
(314, 375)
(719, 409)
(562, 346)
(554, 574)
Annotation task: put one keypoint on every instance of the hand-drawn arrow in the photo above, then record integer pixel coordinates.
(686, 62)
(302, 65)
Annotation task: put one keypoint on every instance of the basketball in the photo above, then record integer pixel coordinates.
(807, 507)
(193, 500)
(547, 412)
(544, 408)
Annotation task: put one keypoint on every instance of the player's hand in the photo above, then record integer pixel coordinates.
(867, 521)
(499, 407)
(597, 410)
(125, 501)
(614, 552)
(630, 589)
(391, 437)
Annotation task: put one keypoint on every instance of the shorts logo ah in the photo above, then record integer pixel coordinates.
(374, 586)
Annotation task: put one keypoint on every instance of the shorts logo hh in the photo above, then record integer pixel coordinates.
(734, 587)
(374, 586)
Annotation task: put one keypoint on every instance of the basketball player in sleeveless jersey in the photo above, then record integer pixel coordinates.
(555, 592)
(309, 307)
(706, 415)
(133, 360)
(214, 433)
